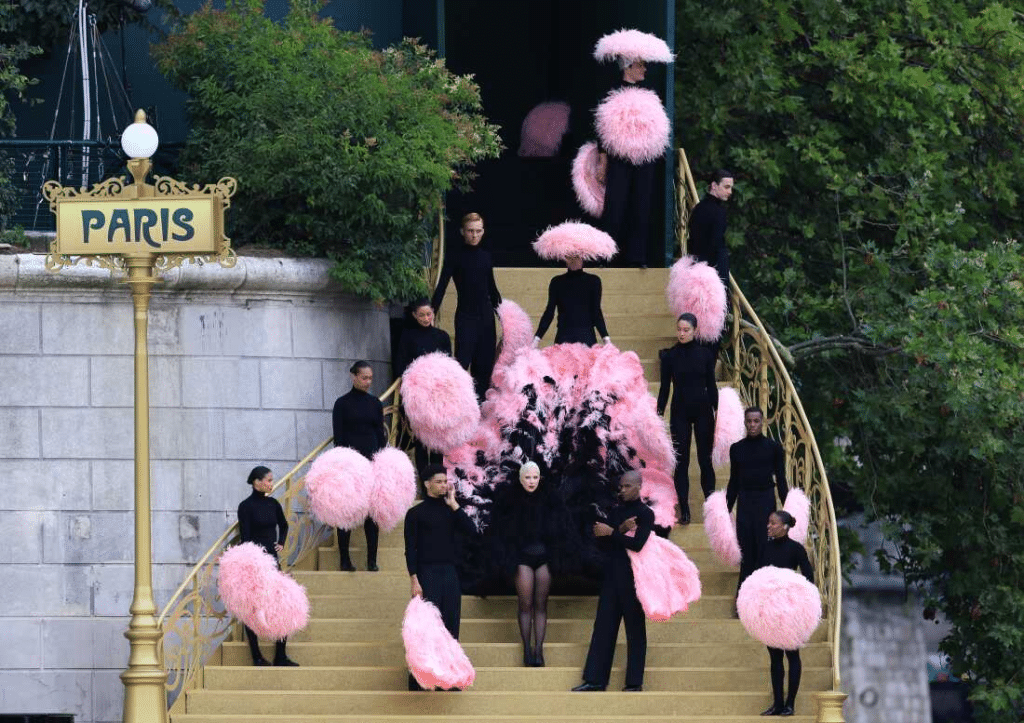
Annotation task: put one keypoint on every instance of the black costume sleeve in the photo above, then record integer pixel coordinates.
(244, 522)
(595, 308)
(780, 473)
(411, 562)
(338, 421)
(464, 524)
(495, 294)
(549, 311)
(805, 565)
(644, 527)
(442, 284)
(446, 344)
(282, 524)
(404, 356)
(732, 489)
(382, 440)
(711, 382)
(666, 380)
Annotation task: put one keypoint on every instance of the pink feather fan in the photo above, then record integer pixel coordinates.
(632, 124)
(666, 580)
(265, 599)
(729, 427)
(574, 238)
(589, 190)
(632, 45)
(394, 487)
(779, 607)
(659, 491)
(338, 486)
(721, 529)
(695, 288)
(799, 506)
(440, 401)
(516, 331)
(434, 657)
(543, 128)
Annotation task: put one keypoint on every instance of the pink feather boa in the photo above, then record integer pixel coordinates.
(632, 124)
(265, 599)
(394, 487)
(574, 238)
(779, 607)
(516, 331)
(434, 657)
(633, 45)
(696, 289)
(799, 506)
(589, 190)
(338, 485)
(440, 402)
(666, 580)
(729, 427)
(721, 529)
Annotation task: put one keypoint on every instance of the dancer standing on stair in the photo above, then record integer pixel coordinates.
(576, 295)
(261, 520)
(707, 227)
(430, 548)
(689, 367)
(358, 420)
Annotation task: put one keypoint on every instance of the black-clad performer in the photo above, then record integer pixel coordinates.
(689, 367)
(618, 600)
(473, 270)
(784, 552)
(757, 469)
(577, 297)
(707, 227)
(359, 423)
(430, 548)
(261, 520)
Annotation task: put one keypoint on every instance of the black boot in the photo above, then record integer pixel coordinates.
(254, 649)
(281, 659)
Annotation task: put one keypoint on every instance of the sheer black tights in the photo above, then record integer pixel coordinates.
(532, 588)
(795, 668)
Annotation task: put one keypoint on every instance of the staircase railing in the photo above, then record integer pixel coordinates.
(194, 621)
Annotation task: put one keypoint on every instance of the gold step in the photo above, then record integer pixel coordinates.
(370, 718)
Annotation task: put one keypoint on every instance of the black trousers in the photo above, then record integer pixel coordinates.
(775, 655)
(475, 339)
(440, 585)
(617, 602)
(689, 422)
(372, 536)
(627, 207)
(576, 335)
(753, 507)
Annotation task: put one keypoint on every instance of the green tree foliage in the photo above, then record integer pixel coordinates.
(48, 22)
(13, 84)
(877, 147)
(339, 150)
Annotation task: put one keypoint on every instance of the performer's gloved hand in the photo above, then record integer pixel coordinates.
(607, 340)
(536, 342)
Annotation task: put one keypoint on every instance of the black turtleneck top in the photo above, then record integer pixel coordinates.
(261, 520)
(359, 422)
(419, 340)
(430, 533)
(754, 461)
(788, 554)
(707, 235)
(617, 543)
(473, 271)
(577, 296)
(690, 369)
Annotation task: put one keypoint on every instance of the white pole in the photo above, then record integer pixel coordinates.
(83, 52)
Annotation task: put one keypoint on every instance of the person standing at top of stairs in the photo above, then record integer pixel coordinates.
(473, 271)
(707, 226)
(576, 295)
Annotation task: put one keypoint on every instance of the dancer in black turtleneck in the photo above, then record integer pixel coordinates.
(757, 469)
(430, 548)
(690, 368)
(359, 423)
(261, 520)
(473, 270)
(707, 227)
(783, 552)
(577, 297)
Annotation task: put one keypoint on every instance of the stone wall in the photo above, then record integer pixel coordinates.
(245, 364)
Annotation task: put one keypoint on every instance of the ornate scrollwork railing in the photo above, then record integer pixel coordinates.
(194, 621)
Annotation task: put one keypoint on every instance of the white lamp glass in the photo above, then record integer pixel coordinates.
(139, 140)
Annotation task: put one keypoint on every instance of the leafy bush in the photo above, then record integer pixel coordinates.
(12, 85)
(339, 150)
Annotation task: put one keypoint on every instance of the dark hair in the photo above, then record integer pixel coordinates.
(413, 305)
(429, 470)
(720, 175)
(361, 364)
(787, 519)
(688, 318)
(754, 408)
(257, 473)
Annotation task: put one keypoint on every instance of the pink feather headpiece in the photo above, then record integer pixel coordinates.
(632, 45)
(574, 238)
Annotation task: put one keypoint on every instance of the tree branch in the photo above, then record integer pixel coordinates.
(812, 347)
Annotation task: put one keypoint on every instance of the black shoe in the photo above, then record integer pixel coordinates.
(774, 710)
(787, 710)
(260, 662)
(372, 567)
(347, 566)
(633, 689)
(587, 688)
(285, 662)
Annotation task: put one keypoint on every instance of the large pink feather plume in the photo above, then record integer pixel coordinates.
(659, 491)
(434, 657)
(338, 486)
(270, 602)
(729, 427)
(721, 530)
(394, 487)
(632, 124)
(666, 580)
(440, 402)
(779, 607)
(574, 238)
(632, 45)
(589, 190)
(696, 289)
(799, 506)
(516, 331)
(543, 128)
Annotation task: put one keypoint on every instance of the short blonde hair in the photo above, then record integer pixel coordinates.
(530, 466)
(470, 217)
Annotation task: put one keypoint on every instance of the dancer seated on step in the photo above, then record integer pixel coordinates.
(618, 601)
(430, 529)
(576, 295)
(788, 554)
(261, 520)
(358, 421)
(689, 367)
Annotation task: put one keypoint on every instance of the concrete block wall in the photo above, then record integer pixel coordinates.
(245, 365)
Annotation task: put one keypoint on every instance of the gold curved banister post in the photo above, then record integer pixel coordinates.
(433, 271)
